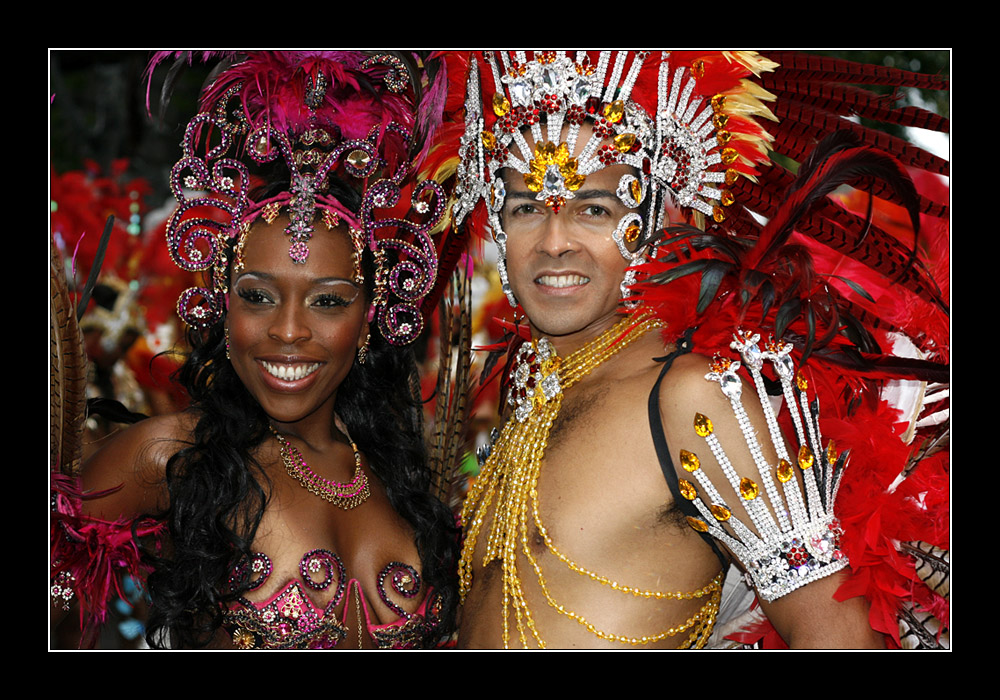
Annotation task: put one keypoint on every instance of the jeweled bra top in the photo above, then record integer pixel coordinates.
(291, 620)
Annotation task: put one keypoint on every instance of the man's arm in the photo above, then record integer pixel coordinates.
(808, 616)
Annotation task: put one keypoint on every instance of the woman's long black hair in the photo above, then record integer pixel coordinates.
(218, 493)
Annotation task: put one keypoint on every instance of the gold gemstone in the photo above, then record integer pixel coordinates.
(721, 513)
(489, 140)
(697, 68)
(718, 103)
(831, 453)
(720, 121)
(632, 233)
(690, 461)
(702, 425)
(729, 155)
(636, 189)
(801, 382)
(748, 489)
(687, 489)
(697, 524)
(624, 142)
(806, 458)
(727, 198)
(785, 471)
(731, 177)
(718, 214)
(723, 137)
(614, 111)
(501, 105)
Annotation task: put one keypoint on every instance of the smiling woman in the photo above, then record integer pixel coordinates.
(290, 505)
(294, 330)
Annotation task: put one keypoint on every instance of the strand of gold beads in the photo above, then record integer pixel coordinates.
(511, 475)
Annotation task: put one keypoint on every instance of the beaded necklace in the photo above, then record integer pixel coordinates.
(343, 495)
(510, 476)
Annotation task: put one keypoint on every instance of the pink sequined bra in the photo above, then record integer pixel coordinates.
(290, 619)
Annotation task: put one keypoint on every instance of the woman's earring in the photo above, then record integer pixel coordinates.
(363, 350)
(227, 345)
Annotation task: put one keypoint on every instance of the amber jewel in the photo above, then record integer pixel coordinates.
(748, 489)
(698, 525)
(614, 111)
(720, 512)
(702, 425)
(624, 142)
(489, 140)
(501, 105)
(806, 458)
(690, 461)
(785, 471)
(562, 170)
(687, 489)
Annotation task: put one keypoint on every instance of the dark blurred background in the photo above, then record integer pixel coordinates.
(99, 114)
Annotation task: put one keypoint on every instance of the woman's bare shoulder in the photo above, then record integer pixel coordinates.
(133, 462)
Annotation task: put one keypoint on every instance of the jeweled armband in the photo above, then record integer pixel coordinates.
(797, 539)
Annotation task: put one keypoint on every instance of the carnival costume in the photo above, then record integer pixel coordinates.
(853, 301)
(361, 117)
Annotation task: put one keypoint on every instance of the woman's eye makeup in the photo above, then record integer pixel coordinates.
(253, 295)
(336, 294)
(331, 295)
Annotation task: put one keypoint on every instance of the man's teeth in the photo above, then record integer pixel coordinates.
(290, 373)
(562, 280)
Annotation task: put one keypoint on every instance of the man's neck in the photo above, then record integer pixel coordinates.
(568, 343)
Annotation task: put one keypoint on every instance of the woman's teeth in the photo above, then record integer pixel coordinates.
(560, 281)
(290, 373)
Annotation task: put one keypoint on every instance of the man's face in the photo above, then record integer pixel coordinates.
(564, 268)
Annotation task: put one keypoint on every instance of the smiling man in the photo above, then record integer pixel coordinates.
(586, 526)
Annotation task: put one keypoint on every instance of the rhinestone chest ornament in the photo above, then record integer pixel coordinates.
(535, 379)
(797, 539)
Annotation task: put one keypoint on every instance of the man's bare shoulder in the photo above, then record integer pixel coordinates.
(134, 461)
(686, 392)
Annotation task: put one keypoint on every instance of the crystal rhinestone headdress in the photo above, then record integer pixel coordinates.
(684, 121)
(347, 115)
(800, 542)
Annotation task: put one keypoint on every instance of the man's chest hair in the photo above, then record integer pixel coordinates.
(581, 414)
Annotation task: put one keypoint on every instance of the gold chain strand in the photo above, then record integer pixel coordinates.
(511, 475)
(604, 581)
(345, 496)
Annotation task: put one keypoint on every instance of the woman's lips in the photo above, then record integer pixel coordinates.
(289, 372)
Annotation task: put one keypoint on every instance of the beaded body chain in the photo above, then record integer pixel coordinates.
(510, 476)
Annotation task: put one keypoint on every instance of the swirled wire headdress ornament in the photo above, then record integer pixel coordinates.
(345, 114)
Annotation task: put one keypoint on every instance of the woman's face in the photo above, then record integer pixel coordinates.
(295, 329)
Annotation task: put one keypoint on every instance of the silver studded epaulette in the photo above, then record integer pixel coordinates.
(797, 538)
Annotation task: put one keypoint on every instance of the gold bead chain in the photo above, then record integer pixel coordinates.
(511, 475)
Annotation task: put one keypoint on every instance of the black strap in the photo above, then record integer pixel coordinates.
(663, 452)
